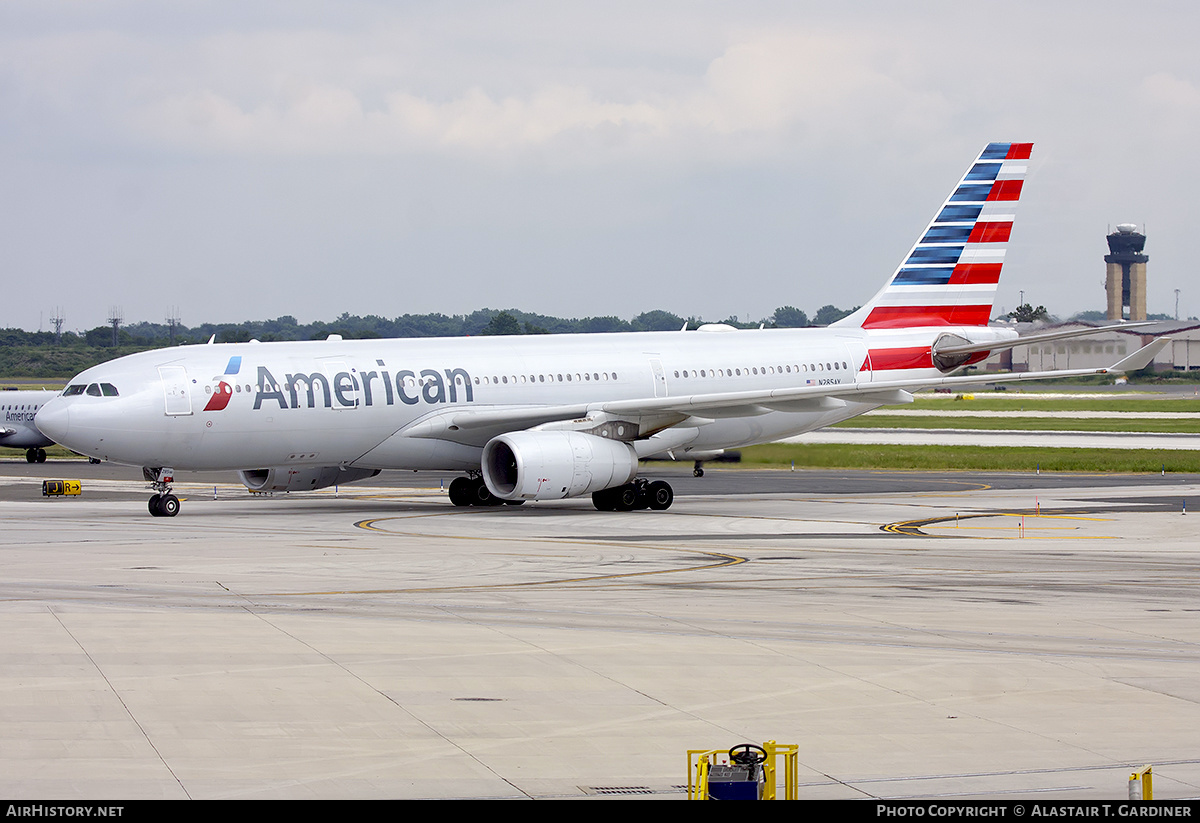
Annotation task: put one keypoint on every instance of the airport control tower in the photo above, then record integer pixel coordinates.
(1126, 281)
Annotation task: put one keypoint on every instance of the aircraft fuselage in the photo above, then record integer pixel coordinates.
(353, 402)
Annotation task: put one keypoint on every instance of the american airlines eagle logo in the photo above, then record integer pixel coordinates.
(220, 398)
(224, 392)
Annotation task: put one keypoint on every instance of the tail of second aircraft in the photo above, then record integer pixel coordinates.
(949, 278)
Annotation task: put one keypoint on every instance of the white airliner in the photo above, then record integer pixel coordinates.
(551, 417)
(17, 429)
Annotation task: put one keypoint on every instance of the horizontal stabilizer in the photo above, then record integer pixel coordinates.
(972, 348)
(1141, 358)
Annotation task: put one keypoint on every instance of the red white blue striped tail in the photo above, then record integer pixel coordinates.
(950, 276)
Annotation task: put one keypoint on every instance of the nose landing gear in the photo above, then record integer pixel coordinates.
(163, 503)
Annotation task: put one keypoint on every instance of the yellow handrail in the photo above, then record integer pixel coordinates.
(700, 762)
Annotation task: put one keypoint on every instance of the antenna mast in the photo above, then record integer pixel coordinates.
(115, 319)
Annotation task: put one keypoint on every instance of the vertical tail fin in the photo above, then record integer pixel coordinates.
(949, 278)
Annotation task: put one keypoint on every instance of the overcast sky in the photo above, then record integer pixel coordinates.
(229, 161)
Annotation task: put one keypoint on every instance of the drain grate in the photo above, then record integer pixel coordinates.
(598, 790)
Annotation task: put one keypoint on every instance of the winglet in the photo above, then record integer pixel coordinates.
(1141, 358)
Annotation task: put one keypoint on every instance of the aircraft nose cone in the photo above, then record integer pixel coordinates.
(53, 420)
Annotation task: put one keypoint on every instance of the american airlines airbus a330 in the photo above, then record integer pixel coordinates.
(17, 429)
(551, 417)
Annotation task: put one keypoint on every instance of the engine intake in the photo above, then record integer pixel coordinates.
(551, 465)
(285, 479)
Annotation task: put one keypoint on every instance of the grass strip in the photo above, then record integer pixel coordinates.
(1057, 424)
(972, 458)
(1018, 401)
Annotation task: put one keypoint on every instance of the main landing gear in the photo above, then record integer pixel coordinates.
(472, 491)
(640, 494)
(163, 503)
(35, 455)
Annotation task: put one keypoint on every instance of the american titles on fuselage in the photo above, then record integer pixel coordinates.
(347, 389)
(351, 388)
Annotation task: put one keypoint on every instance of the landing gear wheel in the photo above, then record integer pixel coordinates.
(481, 495)
(472, 491)
(626, 498)
(31, 455)
(164, 505)
(660, 495)
(604, 500)
(698, 469)
(460, 491)
(41, 455)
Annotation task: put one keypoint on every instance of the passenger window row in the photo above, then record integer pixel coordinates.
(586, 377)
(798, 368)
(109, 390)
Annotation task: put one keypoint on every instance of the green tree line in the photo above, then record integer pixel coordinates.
(24, 353)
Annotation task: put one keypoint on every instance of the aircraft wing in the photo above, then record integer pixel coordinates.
(884, 392)
(5, 431)
(477, 426)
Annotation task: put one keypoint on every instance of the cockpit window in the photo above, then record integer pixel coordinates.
(109, 389)
(93, 390)
(71, 391)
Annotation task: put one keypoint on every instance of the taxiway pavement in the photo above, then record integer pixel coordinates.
(917, 635)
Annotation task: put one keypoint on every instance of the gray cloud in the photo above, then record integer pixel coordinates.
(255, 159)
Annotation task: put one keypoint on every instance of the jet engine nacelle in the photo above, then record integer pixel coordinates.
(284, 479)
(551, 465)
